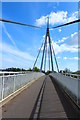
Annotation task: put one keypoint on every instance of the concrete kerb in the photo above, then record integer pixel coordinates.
(11, 96)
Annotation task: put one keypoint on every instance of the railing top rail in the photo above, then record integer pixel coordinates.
(72, 75)
(8, 72)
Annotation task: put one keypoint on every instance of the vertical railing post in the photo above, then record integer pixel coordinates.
(3, 86)
(78, 88)
(78, 91)
(14, 82)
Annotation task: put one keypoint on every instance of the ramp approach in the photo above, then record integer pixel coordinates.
(37, 95)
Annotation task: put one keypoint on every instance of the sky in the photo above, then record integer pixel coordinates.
(20, 44)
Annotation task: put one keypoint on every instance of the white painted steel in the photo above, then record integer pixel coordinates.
(11, 83)
(11, 73)
(0, 88)
(72, 75)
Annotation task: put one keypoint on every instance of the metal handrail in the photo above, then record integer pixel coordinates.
(72, 75)
(10, 73)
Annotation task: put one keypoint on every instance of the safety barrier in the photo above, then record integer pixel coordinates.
(70, 85)
(72, 75)
(14, 81)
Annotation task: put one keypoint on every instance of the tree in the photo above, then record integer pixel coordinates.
(29, 69)
(67, 70)
(36, 69)
(47, 73)
(15, 69)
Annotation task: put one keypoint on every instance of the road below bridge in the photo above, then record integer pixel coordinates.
(43, 99)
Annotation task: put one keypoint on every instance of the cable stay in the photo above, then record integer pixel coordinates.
(76, 21)
(45, 57)
(55, 59)
(13, 22)
(19, 23)
(38, 55)
(46, 49)
(43, 53)
(49, 58)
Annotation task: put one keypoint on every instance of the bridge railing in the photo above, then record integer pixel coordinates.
(13, 81)
(11, 73)
(70, 84)
(72, 75)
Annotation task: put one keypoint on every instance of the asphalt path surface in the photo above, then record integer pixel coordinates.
(21, 106)
(45, 98)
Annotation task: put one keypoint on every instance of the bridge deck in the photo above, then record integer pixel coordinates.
(51, 105)
(43, 99)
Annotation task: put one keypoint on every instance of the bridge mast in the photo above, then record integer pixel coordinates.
(45, 44)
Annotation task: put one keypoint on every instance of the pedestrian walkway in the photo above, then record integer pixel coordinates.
(21, 106)
(51, 105)
(56, 103)
(43, 99)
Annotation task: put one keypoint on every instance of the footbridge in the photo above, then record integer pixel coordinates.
(36, 95)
